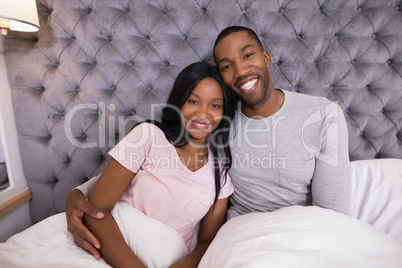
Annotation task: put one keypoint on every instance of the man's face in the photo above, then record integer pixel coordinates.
(244, 67)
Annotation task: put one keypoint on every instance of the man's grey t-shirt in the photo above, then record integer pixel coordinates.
(297, 156)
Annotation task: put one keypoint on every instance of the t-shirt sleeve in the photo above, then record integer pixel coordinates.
(87, 187)
(331, 184)
(133, 149)
(227, 188)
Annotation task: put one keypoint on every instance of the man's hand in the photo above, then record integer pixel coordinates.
(76, 206)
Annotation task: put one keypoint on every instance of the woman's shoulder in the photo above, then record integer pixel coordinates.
(146, 126)
(145, 130)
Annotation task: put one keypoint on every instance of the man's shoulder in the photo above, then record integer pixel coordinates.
(308, 101)
(305, 96)
(310, 105)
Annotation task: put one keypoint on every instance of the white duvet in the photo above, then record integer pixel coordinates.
(301, 237)
(48, 244)
(290, 237)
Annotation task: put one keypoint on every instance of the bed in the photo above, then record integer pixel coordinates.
(97, 67)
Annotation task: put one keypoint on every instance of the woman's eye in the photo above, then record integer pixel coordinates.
(216, 106)
(192, 101)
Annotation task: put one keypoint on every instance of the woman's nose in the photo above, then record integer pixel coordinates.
(202, 112)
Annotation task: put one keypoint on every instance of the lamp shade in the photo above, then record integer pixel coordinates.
(22, 14)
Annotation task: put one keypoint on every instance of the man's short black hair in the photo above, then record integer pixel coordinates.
(233, 29)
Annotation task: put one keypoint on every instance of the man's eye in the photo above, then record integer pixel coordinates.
(248, 55)
(225, 67)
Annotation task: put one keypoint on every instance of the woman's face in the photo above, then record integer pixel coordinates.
(203, 110)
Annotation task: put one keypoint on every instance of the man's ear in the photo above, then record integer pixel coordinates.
(267, 57)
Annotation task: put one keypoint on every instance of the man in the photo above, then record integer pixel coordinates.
(287, 148)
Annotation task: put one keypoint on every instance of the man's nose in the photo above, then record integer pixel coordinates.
(241, 69)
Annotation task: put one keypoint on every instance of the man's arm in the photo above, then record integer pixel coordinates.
(77, 205)
(106, 193)
(87, 187)
(331, 183)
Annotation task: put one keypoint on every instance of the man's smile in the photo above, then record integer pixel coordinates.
(249, 85)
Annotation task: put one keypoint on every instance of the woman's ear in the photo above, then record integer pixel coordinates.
(267, 57)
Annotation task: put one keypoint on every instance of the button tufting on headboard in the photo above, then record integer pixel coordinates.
(97, 67)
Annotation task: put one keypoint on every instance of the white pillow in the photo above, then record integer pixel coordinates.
(377, 194)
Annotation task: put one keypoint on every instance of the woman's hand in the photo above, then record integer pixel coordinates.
(76, 206)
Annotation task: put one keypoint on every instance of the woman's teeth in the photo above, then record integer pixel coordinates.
(200, 125)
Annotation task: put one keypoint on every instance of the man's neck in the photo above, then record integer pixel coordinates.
(271, 106)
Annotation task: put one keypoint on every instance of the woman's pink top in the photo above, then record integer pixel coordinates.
(163, 188)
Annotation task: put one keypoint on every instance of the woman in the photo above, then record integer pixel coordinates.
(191, 187)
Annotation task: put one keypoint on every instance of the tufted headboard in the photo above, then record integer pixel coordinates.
(97, 66)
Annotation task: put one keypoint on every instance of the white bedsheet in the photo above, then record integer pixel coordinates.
(301, 237)
(49, 244)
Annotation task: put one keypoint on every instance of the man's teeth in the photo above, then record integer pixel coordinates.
(249, 84)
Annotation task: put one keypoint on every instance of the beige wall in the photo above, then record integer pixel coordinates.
(18, 219)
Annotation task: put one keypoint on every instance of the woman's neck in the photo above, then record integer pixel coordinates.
(193, 157)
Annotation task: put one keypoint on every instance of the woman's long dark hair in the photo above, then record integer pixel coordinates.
(175, 131)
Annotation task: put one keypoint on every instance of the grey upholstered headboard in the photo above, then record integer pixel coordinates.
(96, 66)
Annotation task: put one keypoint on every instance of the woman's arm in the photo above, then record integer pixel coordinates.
(210, 225)
(106, 193)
